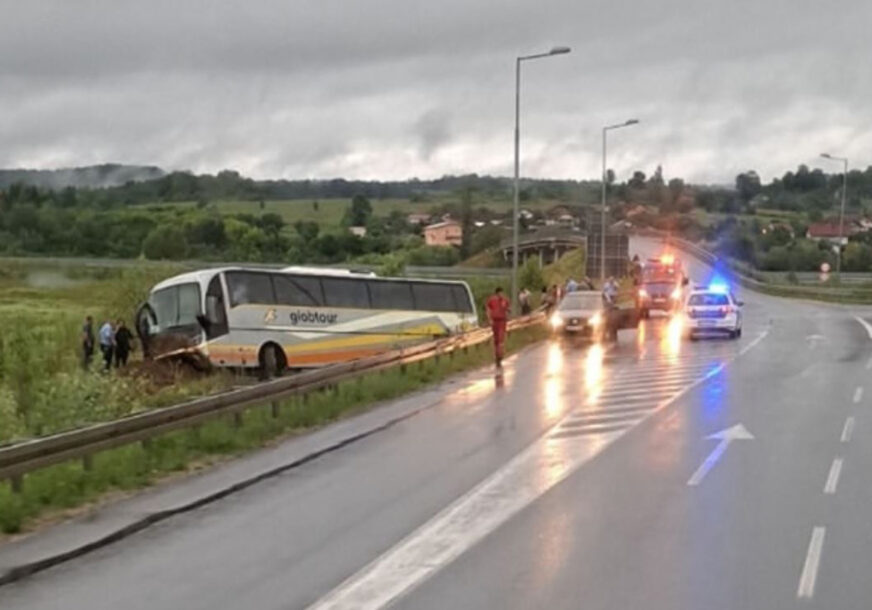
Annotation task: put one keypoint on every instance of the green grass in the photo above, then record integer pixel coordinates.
(65, 486)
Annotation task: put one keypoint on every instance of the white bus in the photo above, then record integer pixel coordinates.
(296, 317)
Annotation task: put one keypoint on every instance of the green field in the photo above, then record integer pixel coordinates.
(329, 212)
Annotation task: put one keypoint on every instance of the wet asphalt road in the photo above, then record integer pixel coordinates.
(564, 484)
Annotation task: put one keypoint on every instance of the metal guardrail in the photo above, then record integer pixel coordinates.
(21, 458)
(838, 293)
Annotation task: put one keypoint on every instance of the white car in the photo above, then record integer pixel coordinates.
(712, 310)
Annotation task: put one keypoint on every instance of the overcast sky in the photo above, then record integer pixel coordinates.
(390, 89)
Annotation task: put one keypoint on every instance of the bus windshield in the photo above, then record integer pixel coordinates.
(175, 307)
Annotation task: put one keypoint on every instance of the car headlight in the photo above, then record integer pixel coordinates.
(556, 321)
(643, 294)
(596, 319)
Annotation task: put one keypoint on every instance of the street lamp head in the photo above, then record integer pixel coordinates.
(632, 122)
(559, 50)
(826, 155)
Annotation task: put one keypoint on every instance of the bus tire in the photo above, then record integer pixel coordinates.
(272, 361)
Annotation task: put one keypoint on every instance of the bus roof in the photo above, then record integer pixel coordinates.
(203, 276)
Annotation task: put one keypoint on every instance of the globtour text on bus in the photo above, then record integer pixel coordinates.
(303, 316)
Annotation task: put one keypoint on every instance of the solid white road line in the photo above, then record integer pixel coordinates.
(858, 394)
(812, 561)
(833, 477)
(865, 325)
(848, 430)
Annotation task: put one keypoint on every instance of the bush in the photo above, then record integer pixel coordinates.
(166, 242)
(434, 256)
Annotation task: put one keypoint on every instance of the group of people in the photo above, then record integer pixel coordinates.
(115, 341)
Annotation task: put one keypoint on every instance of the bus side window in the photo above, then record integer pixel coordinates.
(431, 296)
(216, 313)
(386, 294)
(461, 299)
(298, 290)
(245, 287)
(341, 292)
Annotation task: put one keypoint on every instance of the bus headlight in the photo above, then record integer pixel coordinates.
(556, 321)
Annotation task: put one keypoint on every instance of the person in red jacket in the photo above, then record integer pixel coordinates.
(498, 307)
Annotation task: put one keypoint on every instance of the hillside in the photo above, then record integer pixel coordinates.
(93, 176)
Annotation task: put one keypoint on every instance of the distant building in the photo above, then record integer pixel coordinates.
(447, 233)
(418, 219)
(359, 231)
(829, 232)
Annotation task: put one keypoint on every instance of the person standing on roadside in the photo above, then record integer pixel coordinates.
(498, 307)
(87, 342)
(107, 344)
(524, 300)
(123, 338)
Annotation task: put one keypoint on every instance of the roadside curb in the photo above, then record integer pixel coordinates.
(386, 415)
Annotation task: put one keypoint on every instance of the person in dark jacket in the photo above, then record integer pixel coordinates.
(123, 343)
(87, 342)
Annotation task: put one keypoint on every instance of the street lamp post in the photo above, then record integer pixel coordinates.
(844, 160)
(516, 198)
(606, 129)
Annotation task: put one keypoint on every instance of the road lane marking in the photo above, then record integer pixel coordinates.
(865, 325)
(812, 561)
(858, 394)
(869, 363)
(605, 417)
(848, 430)
(833, 477)
(726, 437)
(651, 406)
(471, 517)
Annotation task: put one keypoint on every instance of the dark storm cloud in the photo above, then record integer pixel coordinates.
(395, 88)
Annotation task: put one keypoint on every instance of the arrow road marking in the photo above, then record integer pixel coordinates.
(726, 436)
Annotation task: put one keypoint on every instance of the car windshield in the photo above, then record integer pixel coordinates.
(581, 301)
(707, 299)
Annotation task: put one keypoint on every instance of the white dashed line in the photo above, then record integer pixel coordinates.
(812, 561)
(858, 394)
(848, 430)
(865, 325)
(869, 363)
(833, 477)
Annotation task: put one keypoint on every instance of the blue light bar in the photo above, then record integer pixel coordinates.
(719, 288)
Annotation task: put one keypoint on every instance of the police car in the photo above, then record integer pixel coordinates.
(712, 310)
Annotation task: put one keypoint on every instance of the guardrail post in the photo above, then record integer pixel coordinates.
(146, 444)
(17, 483)
(275, 408)
(237, 419)
(88, 462)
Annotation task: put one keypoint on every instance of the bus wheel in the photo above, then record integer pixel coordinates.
(272, 361)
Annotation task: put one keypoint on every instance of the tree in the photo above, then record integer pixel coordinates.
(748, 185)
(165, 242)
(359, 212)
(530, 275)
(307, 230)
(610, 176)
(466, 223)
(637, 181)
